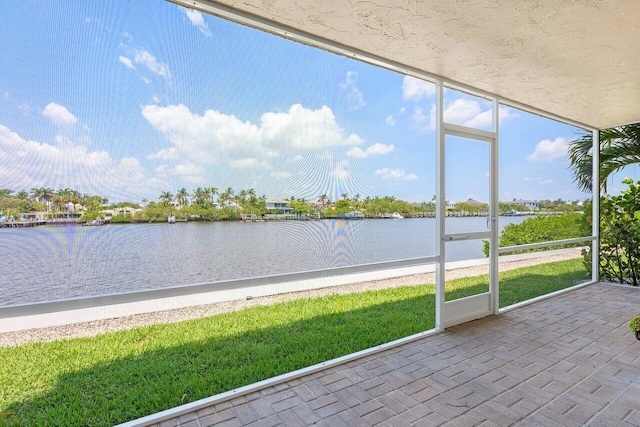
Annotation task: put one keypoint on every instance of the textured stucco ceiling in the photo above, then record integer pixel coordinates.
(578, 59)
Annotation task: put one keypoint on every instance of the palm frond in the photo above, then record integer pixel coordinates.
(619, 147)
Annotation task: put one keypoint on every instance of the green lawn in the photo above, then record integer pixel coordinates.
(123, 375)
(521, 284)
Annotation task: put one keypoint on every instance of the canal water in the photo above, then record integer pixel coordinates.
(52, 263)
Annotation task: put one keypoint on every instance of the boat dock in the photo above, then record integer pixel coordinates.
(22, 224)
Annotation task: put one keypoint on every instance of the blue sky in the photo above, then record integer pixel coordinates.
(129, 99)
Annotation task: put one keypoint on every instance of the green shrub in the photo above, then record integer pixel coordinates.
(122, 219)
(541, 228)
(619, 236)
(90, 216)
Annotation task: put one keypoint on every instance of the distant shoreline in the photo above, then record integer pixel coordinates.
(64, 222)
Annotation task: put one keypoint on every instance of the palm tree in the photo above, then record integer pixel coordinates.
(619, 147)
(61, 197)
(22, 195)
(199, 196)
(356, 201)
(42, 195)
(48, 194)
(144, 201)
(182, 196)
(75, 197)
(212, 191)
(226, 196)
(166, 196)
(36, 193)
(241, 198)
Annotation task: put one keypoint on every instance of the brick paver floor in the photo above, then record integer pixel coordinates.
(565, 361)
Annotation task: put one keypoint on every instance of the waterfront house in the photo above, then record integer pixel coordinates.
(35, 216)
(277, 206)
(125, 211)
(474, 203)
(531, 204)
(51, 217)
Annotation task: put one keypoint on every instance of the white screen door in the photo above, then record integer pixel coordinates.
(467, 173)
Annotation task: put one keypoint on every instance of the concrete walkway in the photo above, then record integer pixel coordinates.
(566, 361)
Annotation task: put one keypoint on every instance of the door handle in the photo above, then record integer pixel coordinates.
(458, 237)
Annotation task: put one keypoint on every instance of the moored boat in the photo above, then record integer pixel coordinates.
(95, 222)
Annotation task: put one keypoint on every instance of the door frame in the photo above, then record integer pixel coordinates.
(450, 313)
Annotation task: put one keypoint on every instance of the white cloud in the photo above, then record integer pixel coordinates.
(481, 120)
(197, 20)
(188, 169)
(127, 62)
(418, 115)
(215, 137)
(340, 172)
(280, 175)
(151, 62)
(462, 111)
(59, 115)
(395, 174)
(357, 153)
(25, 109)
(297, 158)
(36, 164)
(416, 89)
(467, 112)
(164, 154)
(376, 149)
(390, 120)
(547, 151)
(301, 128)
(131, 172)
(380, 149)
(485, 118)
(546, 181)
(251, 163)
(354, 96)
(354, 139)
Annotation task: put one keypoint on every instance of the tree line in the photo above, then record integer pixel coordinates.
(45, 199)
(212, 203)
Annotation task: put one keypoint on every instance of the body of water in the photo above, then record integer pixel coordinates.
(51, 263)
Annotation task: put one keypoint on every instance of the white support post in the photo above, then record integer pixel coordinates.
(440, 206)
(494, 268)
(595, 212)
